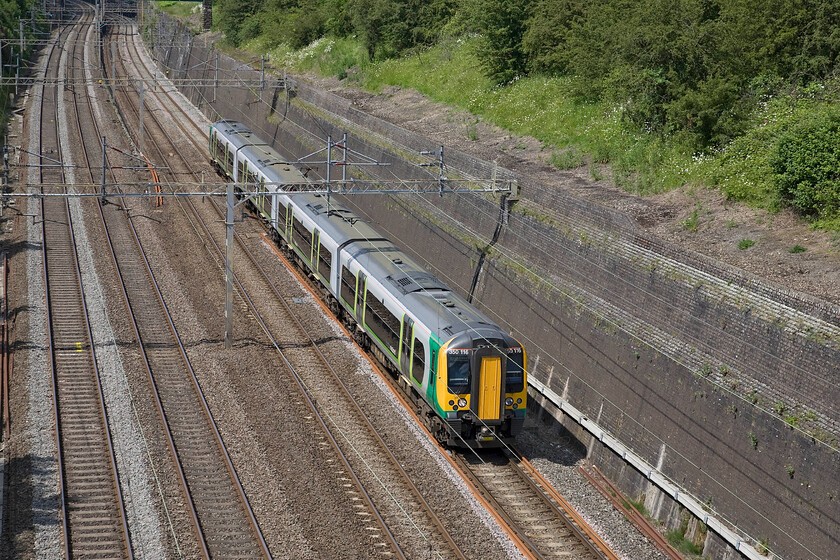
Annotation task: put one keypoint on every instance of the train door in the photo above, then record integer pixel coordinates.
(287, 229)
(488, 385)
(405, 345)
(316, 242)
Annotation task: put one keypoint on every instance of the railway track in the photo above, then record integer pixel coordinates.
(535, 512)
(93, 515)
(611, 491)
(546, 527)
(222, 521)
(404, 506)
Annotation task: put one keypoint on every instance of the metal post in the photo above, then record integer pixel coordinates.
(228, 267)
(262, 73)
(344, 158)
(440, 172)
(17, 74)
(103, 168)
(22, 37)
(329, 157)
(329, 165)
(216, 78)
(140, 135)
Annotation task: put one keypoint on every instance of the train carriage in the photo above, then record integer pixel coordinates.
(468, 374)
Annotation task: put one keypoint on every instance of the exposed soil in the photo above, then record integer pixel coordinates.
(719, 227)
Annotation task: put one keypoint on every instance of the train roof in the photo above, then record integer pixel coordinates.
(338, 222)
(434, 304)
(264, 157)
(237, 133)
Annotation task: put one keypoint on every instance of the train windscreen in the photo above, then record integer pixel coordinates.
(458, 369)
(515, 371)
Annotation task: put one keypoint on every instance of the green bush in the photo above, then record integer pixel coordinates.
(806, 165)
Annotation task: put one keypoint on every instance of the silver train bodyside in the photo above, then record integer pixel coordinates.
(468, 375)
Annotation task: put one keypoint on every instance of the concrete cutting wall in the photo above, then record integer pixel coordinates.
(726, 384)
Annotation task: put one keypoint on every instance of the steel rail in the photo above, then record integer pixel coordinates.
(573, 520)
(104, 424)
(241, 243)
(309, 400)
(526, 535)
(611, 491)
(178, 467)
(298, 380)
(220, 252)
(4, 359)
(395, 547)
(228, 464)
(384, 446)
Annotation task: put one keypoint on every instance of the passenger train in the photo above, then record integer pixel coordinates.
(464, 372)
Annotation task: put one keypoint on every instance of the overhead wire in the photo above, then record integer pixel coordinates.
(686, 459)
(355, 449)
(554, 287)
(583, 304)
(323, 129)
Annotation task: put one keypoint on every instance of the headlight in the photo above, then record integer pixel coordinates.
(508, 401)
(462, 402)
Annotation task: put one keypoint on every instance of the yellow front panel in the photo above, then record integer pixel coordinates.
(489, 388)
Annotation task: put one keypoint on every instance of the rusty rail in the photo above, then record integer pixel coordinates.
(614, 494)
(5, 362)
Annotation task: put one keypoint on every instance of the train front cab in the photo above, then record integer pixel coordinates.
(481, 390)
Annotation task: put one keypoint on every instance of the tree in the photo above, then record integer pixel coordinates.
(501, 24)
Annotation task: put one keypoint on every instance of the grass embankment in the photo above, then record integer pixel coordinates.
(574, 132)
(178, 8)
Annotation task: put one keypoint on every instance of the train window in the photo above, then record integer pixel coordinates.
(382, 323)
(302, 238)
(406, 334)
(458, 371)
(324, 262)
(348, 288)
(515, 372)
(418, 362)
